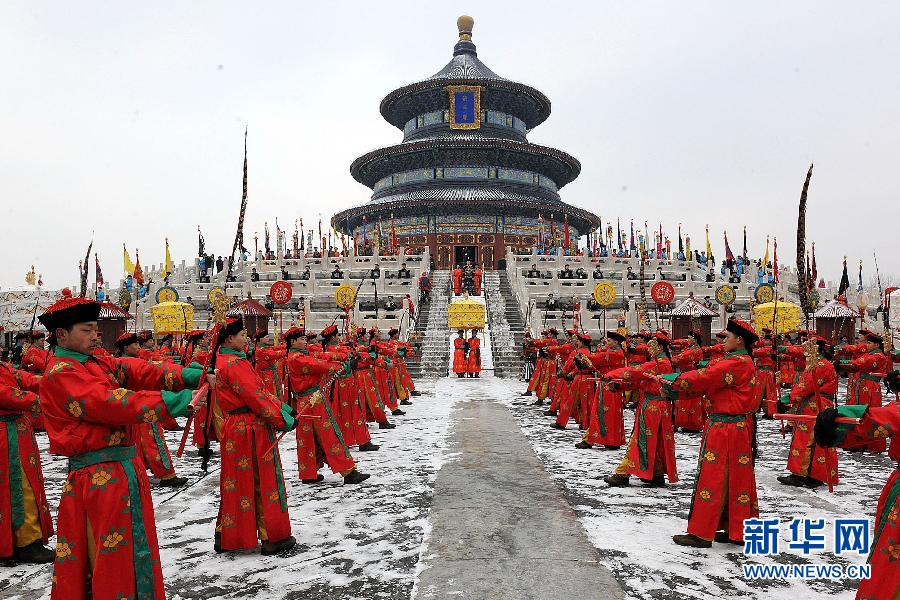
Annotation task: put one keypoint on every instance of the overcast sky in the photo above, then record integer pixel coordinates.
(128, 120)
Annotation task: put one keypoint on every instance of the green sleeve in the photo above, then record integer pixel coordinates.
(287, 413)
(191, 377)
(854, 411)
(176, 402)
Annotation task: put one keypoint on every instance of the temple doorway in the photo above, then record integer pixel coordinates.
(461, 254)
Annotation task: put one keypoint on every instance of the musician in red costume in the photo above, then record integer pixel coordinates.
(106, 533)
(816, 389)
(319, 439)
(690, 414)
(878, 423)
(478, 276)
(606, 426)
(148, 349)
(460, 354)
(725, 486)
(869, 369)
(473, 362)
(253, 500)
(25, 523)
(650, 454)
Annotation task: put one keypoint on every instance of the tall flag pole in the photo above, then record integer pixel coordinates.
(745, 244)
(84, 272)
(708, 247)
(728, 254)
(566, 239)
(168, 266)
(98, 274)
(844, 285)
(859, 283)
(126, 260)
(632, 245)
(775, 260)
(680, 243)
(619, 233)
(138, 271)
(239, 234)
(540, 231)
(815, 271)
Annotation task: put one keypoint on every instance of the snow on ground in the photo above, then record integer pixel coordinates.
(359, 541)
(632, 527)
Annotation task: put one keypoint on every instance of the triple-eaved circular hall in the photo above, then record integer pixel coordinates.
(465, 181)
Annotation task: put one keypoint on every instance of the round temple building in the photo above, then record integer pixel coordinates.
(465, 181)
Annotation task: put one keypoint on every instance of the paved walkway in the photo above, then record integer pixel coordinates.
(500, 529)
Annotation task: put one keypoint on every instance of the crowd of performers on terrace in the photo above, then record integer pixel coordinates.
(108, 414)
(720, 390)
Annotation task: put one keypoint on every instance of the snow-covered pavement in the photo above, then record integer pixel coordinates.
(358, 541)
(366, 541)
(632, 527)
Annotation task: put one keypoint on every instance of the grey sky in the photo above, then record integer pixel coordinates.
(127, 120)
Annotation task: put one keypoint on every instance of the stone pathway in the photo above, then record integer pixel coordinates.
(499, 527)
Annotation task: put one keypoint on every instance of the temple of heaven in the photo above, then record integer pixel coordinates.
(465, 181)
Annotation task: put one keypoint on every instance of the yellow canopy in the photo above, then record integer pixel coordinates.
(172, 317)
(788, 317)
(465, 314)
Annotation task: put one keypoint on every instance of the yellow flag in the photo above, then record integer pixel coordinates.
(129, 266)
(708, 247)
(168, 267)
(766, 257)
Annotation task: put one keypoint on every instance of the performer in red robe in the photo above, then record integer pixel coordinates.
(253, 500)
(816, 388)
(725, 486)
(650, 454)
(766, 390)
(879, 424)
(560, 389)
(106, 533)
(473, 362)
(869, 369)
(370, 394)
(690, 413)
(151, 439)
(478, 276)
(25, 523)
(269, 366)
(36, 356)
(319, 437)
(579, 390)
(460, 352)
(457, 280)
(851, 352)
(545, 369)
(404, 383)
(606, 426)
(345, 397)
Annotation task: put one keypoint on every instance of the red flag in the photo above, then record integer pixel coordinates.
(552, 231)
(728, 254)
(138, 272)
(566, 235)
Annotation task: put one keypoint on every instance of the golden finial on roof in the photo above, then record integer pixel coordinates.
(464, 24)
